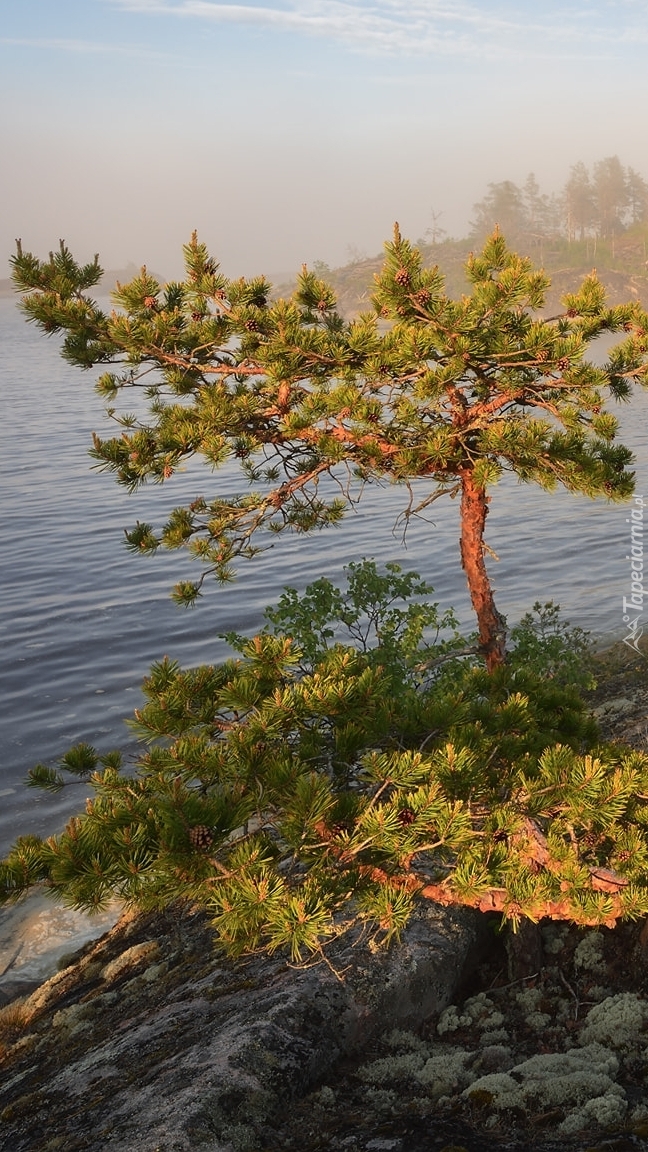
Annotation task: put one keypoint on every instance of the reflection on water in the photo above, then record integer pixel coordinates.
(81, 619)
(36, 935)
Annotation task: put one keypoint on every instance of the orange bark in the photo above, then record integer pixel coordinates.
(497, 900)
(474, 510)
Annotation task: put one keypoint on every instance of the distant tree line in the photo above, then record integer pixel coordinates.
(599, 203)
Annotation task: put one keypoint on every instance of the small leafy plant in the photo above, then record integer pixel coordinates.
(545, 642)
(382, 614)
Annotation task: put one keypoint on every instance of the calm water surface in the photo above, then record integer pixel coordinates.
(81, 619)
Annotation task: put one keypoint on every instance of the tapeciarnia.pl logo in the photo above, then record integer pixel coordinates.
(633, 604)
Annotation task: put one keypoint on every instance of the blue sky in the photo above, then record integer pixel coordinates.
(292, 130)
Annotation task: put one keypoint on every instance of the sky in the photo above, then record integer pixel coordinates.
(288, 131)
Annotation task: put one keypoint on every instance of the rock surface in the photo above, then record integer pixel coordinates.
(150, 1042)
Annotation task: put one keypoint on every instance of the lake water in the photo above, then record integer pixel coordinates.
(81, 619)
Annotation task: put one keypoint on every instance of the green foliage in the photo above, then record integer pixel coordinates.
(295, 794)
(545, 642)
(381, 614)
(309, 783)
(424, 387)
(601, 204)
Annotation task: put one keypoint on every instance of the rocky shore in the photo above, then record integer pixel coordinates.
(149, 1041)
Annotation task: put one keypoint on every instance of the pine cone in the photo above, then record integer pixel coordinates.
(590, 840)
(542, 355)
(406, 816)
(150, 302)
(402, 277)
(200, 837)
(423, 297)
(251, 325)
(384, 311)
(197, 316)
(322, 305)
(563, 364)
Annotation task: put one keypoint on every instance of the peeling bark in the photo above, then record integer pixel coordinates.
(492, 628)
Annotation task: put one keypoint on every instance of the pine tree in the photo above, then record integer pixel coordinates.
(578, 198)
(636, 196)
(610, 191)
(424, 390)
(310, 786)
(506, 207)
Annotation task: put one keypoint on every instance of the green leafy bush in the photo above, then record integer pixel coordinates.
(545, 642)
(383, 614)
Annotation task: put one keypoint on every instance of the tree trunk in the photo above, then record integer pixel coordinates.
(524, 950)
(492, 629)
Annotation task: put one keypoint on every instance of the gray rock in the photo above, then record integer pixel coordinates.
(205, 1051)
(14, 989)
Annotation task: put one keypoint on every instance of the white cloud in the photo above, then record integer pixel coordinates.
(431, 27)
(83, 47)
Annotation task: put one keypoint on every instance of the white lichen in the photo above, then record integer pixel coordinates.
(497, 1036)
(504, 1092)
(604, 1110)
(574, 1080)
(528, 999)
(538, 1021)
(450, 1020)
(478, 1007)
(380, 1099)
(477, 1012)
(598, 992)
(446, 1072)
(403, 1067)
(618, 1021)
(72, 1015)
(133, 957)
(496, 1057)
(155, 972)
(554, 938)
(588, 956)
(406, 1041)
(565, 1011)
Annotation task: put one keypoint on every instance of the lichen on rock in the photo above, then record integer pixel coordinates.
(618, 1020)
(569, 1080)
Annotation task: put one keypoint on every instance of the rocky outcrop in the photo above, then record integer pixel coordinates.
(152, 1041)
